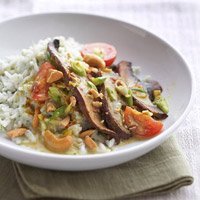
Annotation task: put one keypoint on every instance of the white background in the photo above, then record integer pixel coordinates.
(177, 21)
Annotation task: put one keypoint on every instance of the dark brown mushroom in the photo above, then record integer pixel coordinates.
(84, 101)
(124, 69)
(112, 114)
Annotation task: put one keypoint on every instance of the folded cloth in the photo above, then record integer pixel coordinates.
(162, 170)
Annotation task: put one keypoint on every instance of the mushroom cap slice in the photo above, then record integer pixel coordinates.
(124, 68)
(112, 112)
(84, 101)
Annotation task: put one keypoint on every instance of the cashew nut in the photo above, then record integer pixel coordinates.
(50, 107)
(56, 144)
(85, 133)
(94, 61)
(92, 69)
(94, 93)
(106, 69)
(16, 132)
(54, 75)
(97, 104)
(90, 143)
(73, 101)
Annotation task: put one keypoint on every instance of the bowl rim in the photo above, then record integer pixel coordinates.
(148, 143)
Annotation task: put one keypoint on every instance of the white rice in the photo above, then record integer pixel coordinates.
(110, 143)
(102, 148)
(76, 129)
(83, 149)
(16, 79)
(30, 136)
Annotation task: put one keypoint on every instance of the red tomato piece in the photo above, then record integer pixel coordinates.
(106, 51)
(144, 125)
(40, 86)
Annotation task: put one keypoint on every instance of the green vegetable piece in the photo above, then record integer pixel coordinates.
(68, 109)
(129, 98)
(91, 85)
(54, 125)
(112, 95)
(48, 56)
(55, 94)
(43, 125)
(139, 90)
(98, 80)
(121, 89)
(78, 68)
(161, 103)
(60, 112)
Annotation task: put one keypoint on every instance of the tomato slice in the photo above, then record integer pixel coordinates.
(143, 125)
(40, 86)
(104, 50)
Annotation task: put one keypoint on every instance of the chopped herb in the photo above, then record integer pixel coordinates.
(91, 85)
(78, 68)
(60, 112)
(98, 80)
(129, 98)
(68, 108)
(43, 125)
(122, 89)
(48, 56)
(55, 94)
(112, 95)
(161, 103)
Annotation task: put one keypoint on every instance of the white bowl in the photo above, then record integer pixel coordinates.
(156, 57)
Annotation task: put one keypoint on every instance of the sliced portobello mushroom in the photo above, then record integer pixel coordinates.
(80, 91)
(124, 69)
(112, 109)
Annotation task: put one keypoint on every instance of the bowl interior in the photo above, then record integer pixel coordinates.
(154, 56)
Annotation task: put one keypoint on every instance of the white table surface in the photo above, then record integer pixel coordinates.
(177, 21)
